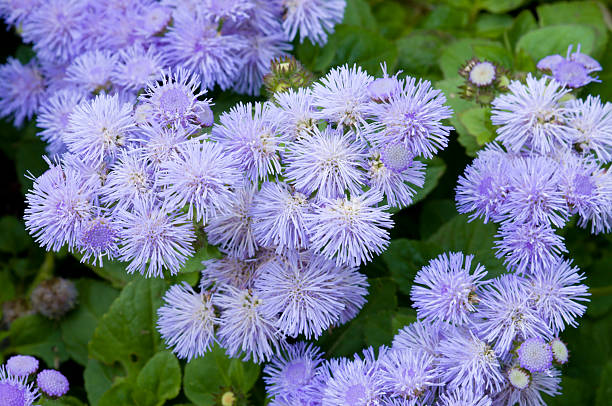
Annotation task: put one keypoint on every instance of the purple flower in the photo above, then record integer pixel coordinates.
(342, 98)
(558, 293)
(153, 239)
(572, 71)
(15, 390)
(592, 120)
(350, 230)
(232, 231)
(462, 397)
(98, 239)
(294, 114)
(230, 271)
(53, 383)
(187, 321)
(15, 12)
(54, 114)
(130, 179)
(100, 128)
(466, 362)
(193, 42)
(159, 144)
(137, 66)
(531, 115)
(58, 205)
(247, 132)
(91, 71)
(505, 313)
(307, 294)
(314, 19)
(278, 214)
(408, 375)
(22, 90)
(535, 355)
(421, 336)
(200, 176)
(243, 327)
(293, 374)
(413, 116)
(21, 365)
(527, 248)
(447, 289)
(328, 163)
(531, 395)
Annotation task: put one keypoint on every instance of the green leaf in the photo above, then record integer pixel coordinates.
(403, 317)
(446, 18)
(583, 12)
(120, 394)
(391, 18)
(434, 171)
(477, 122)
(501, 6)
(114, 272)
(63, 401)
(434, 214)
(492, 25)
(523, 23)
(555, 40)
(98, 379)
(471, 238)
(28, 154)
(38, 336)
(604, 392)
(15, 238)
(162, 375)
(205, 376)
(359, 14)
(405, 257)
(78, 327)
(8, 288)
(419, 51)
(127, 333)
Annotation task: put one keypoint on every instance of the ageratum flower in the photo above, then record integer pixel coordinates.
(532, 116)
(22, 90)
(54, 114)
(99, 129)
(91, 71)
(14, 12)
(292, 375)
(243, 327)
(15, 390)
(234, 272)
(447, 289)
(421, 336)
(314, 19)
(535, 355)
(592, 120)
(153, 239)
(531, 395)
(200, 176)
(294, 113)
(351, 230)
(137, 66)
(328, 163)
(462, 397)
(187, 321)
(573, 70)
(52, 383)
(408, 375)
(98, 239)
(412, 116)
(21, 365)
(130, 179)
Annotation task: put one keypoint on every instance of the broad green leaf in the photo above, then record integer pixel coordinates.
(98, 379)
(161, 375)
(8, 288)
(78, 327)
(38, 336)
(404, 258)
(494, 52)
(243, 375)
(63, 401)
(434, 214)
(419, 52)
(604, 392)
(205, 376)
(15, 238)
(403, 317)
(359, 14)
(523, 23)
(120, 394)
(555, 40)
(391, 17)
(501, 6)
(471, 238)
(477, 122)
(492, 25)
(28, 154)
(446, 18)
(127, 332)
(114, 272)
(434, 171)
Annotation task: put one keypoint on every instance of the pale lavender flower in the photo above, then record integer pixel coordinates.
(409, 375)
(53, 383)
(294, 114)
(152, 20)
(100, 128)
(469, 363)
(200, 176)
(21, 365)
(505, 313)
(531, 115)
(307, 294)
(592, 120)
(158, 144)
(293, 373)
(413, 116)
(232, 231)
(341, 97)
(98, 239)
(58, 205)
(22, 90)
(91, 71)
(447, 289)
(248, 133)
(137, 66)
(278, 214)
(130, 179)
(233, 10)
(558, 294)
(15, 12)
(462, 397)
(193, 42)
(351, 230)
(153, 239)
(421, 336)
(328, 163)
(243, 327)
(535, 355)
(531, 395)
(527, 248)
(187, 321)
(381, 89)
(54, 114)
(573, 70)
(314, 19)
(230, 271)
(15, 390)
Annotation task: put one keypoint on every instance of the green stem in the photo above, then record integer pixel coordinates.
(44, 272)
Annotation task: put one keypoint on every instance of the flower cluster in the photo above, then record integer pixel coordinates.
(19, 387)
(572, 71)
(477, 342)
(85, 47)
(549, 163)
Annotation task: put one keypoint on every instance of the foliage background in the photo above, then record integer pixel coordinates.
(108, 346)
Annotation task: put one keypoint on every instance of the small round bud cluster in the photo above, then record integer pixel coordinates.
(519, 377)
(560, 352)
(483, 80)
(54, 297)
(535, 355)
(286, 73)
(22, 365)
(52, 383)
